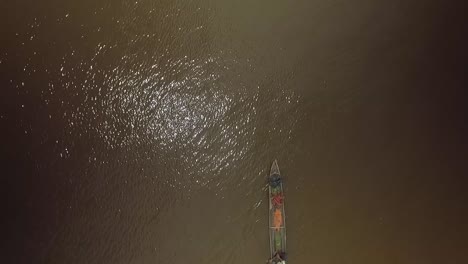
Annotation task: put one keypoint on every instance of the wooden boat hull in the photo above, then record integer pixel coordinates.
(277, 228)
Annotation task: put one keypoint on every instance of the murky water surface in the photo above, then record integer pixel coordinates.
(143, 131)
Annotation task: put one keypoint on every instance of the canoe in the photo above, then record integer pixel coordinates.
(277, 224)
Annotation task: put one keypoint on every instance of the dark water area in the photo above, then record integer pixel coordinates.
(143, 131)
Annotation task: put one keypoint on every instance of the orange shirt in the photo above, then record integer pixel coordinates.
(277, 219)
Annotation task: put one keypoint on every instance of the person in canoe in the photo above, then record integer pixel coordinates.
(277, 219)
(278, 258)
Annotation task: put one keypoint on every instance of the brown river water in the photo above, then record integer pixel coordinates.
(142, 131)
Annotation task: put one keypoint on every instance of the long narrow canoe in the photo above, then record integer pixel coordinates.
(276, 211)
